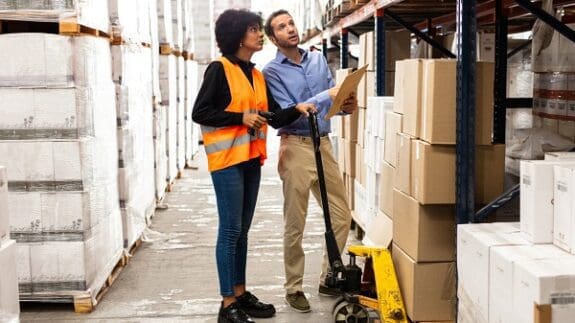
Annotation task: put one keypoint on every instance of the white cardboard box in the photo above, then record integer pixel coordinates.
(536, 200)
(564, 211)
(393, 126)
(560, 155)
(548, 281)
(474, 242)
(9, 299)
(4, 215)
(501, 273)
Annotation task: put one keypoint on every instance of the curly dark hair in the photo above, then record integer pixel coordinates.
(268, 29)
(232, 25)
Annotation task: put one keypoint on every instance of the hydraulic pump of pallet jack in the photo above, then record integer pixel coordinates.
(345, 278)
(268, 115)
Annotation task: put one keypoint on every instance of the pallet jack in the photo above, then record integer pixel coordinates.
(371, 295)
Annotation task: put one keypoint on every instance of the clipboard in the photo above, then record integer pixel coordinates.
(346, 87)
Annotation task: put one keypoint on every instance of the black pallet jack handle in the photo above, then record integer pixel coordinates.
(334, 256)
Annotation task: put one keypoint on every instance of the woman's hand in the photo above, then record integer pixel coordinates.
(253, 120)
(306, 108)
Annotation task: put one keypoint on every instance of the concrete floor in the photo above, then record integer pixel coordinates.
(172, 276)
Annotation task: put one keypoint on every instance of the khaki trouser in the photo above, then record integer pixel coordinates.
(297, 169)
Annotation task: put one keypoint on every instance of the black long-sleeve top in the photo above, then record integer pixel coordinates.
(214, 97)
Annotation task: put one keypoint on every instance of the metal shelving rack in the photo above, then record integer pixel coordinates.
(423, 18)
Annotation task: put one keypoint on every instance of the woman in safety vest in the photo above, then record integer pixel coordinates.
(229, 107)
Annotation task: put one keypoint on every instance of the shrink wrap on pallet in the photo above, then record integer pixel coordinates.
(90, 13)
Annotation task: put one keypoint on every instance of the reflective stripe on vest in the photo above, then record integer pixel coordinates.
(227, 146)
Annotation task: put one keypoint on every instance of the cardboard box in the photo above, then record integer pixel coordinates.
(386, 189)
(398, 88)
(410, 90)
(380, 232)
(474, 244)
(341, 143)
(389, 83)
(361, 120)
(9, 296)
(438, 123)
(564, 211)
(434, 174)
(350, 189)
(369, 85)
(340, 74)
(560, 155)
(485, 47)
(360, 165)
(402, 178)
(501, 272)
(425, 232)
(350, 128)
(544, 282)
(350, 149)
(536, 203)
(397, 48)
(425, 298)
(4, 216)
(393, 126)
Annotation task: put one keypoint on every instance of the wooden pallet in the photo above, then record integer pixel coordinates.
(165, 49)
(66, 27)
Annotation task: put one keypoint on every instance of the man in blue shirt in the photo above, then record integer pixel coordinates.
(293, 77)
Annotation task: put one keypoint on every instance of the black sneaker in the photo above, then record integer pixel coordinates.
(329, 291)
(233, 314)
(252, 306)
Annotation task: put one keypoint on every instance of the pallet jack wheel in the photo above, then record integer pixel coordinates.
(348, 312)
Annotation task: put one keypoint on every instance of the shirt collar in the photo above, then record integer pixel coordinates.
(281, 58)
(235, 60)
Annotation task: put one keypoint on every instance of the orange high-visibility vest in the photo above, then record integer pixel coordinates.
(228, 146)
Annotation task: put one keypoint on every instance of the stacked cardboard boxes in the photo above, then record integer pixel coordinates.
(9, 306)
(423, 196)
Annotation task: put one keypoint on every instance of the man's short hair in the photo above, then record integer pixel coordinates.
(231, 26)
(268, 29)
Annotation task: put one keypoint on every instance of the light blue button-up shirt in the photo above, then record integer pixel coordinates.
(308, 82)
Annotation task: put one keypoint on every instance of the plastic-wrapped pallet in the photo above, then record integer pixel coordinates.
(169, 88)
(90, 13)
(177, 25)
(188, 27)
(181, 116)
(191, 92)
(9, 303)
(130, 20)
(202, 35)
(160, 151)
(4, 216)
(132, 64)
(165, 33)
(58, 140)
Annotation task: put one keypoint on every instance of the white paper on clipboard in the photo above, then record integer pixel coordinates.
(348, 86)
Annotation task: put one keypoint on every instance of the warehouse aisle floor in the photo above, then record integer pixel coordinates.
(172, 277)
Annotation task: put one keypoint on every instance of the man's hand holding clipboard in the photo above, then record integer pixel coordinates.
(346, 93)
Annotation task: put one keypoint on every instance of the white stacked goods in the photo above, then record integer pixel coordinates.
(181, 115)
(564, 207)
(132, 65)
(130, 21)
(536, 204)
(90, 13)
(9, 303)
(4, 216)
(177, 24)
(58, 139)
(202, 32)
(165, 33)
(160, 150)
(192, 130)
(474, 244)
(169, 88)
(188, 45)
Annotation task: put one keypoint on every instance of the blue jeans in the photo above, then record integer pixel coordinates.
(236, 194)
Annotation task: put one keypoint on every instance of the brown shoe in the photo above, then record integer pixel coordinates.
(298, 302)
